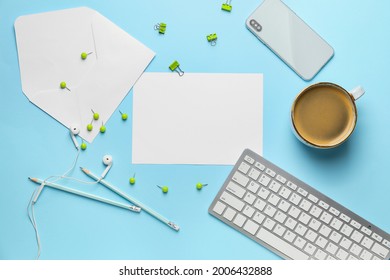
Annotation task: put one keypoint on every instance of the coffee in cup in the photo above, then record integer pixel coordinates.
(324, 115)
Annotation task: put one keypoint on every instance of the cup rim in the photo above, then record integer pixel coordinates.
(316, 85)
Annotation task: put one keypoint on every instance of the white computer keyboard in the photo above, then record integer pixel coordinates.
(292, 219)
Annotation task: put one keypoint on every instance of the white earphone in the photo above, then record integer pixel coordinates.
(74, 130)
(107, 160)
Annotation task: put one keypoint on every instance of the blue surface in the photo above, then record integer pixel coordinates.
(34, 144)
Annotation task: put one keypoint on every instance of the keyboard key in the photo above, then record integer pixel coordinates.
(284, 205)
(311, 235)
(356, 236)
(295, 198)
(341, 254)
(321, 241)
(229, 214)
(279, 230)
(345, 243)
(346, 229)
(269, 223)
(270, 172)
(301, 229)
(259, 166)
(239, 220)
(273, 199)
(258, 217)
(290, 236)
(280, 217)
(329, 257)
(335, 237)
(380, 250)
(263, 193)
(240, 178)
(281, 179)
(366, 230)
(249, 198)
(248, 211)
(314, 224)
(235, 189)
(251, 227)
(304, 218)
(320, 255)
(366, 255)
(323, 205)
(291, 185)
(232, 201)
(386, 243)
(326, 217)
(315, 211)
(253, 187)
(310, 248)
(325, 230)
(254, 174)
(334, 211)
(377, 237)
(300, 242)
(302, 192)
(336, 224)
(264, 180)
(331, 248)
(294, 212)
(274, 186)
(244, 167)
(367, 242)
(290, 223)
(269, 210)
(284, 192)
(345, 218)
(313, 198)
(352, 258)
(305, 205)
(260, 204)
(219, 207)
(356, 224)
(249, 159)
(356, 249)
(281, 245)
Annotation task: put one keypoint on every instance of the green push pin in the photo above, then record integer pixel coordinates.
(84, 55)
(102, 128)
(199, 186)
(124, 115)
(90, 127)
(95, 115)
(83, 146)
(63, 86)
(132, 180)
(163, 188)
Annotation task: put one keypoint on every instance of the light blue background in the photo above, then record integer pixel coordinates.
(33, 144)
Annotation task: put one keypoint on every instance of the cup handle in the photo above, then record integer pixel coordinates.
(357, 92)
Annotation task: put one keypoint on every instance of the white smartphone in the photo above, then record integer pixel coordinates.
(290, 38)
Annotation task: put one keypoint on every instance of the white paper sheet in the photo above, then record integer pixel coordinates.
(49, 49)
(197, 118)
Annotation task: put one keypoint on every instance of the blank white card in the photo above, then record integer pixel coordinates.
(199, 118)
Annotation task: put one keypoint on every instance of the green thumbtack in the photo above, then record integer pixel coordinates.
(199, 186)
(102, 128)
(63, 86)
(163, 188)
(227, 6)
(84, 55)
(212, 38)
(175, 66)
(124, 115)
(83, 146)
(95, 115)
(90, 127)
(132, 180)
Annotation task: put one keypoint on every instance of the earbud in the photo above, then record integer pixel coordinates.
(107, 160)
(74, 130)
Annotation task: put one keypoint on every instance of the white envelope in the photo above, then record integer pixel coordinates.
(49, 49)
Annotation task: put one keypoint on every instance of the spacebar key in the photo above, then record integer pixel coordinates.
(281, 245)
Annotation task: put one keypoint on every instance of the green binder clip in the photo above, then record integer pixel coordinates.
(161, 27)
(212, 38)
(175, 66)
(227, 6)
